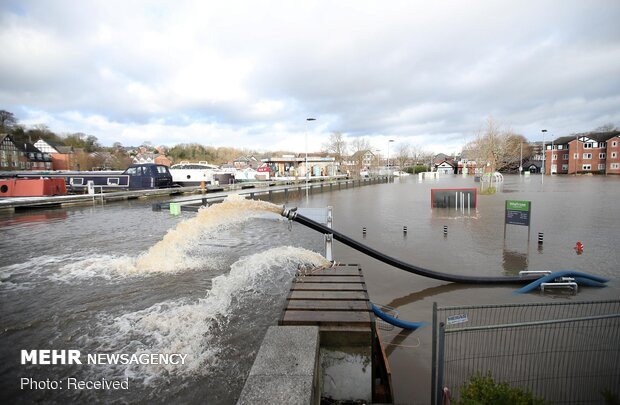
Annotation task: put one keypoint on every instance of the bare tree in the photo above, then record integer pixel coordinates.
(359, 144)
(497, 148)
(609, 127)
(403, 154)
(336, 145)
(7, 121)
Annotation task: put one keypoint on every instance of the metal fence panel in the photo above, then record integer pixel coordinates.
(563, 352)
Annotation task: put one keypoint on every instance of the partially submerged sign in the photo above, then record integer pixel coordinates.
(518, 213)
(458, 198)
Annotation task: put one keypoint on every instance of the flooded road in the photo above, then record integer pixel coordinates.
(72, 279)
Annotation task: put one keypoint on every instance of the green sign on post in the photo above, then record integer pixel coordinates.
(517, 205)
(518, 213)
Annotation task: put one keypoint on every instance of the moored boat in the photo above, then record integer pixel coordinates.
(136, 177)
(41, 187)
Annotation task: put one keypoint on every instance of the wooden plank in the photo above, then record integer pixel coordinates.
(330, 279)
(327, 305)
(327, 318)
(329, 286)
(337, 271)
(329, 295)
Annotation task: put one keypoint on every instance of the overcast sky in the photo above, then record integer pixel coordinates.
(249, 73)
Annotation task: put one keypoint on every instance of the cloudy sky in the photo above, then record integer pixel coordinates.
(249, 73)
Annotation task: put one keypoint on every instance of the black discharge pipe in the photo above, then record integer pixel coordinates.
(292, 215)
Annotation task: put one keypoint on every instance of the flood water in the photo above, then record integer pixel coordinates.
(115, 279)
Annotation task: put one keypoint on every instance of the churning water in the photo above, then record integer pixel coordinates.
(123, 279)
(186, 294)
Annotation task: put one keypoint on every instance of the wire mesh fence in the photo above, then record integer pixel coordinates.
(565, 352)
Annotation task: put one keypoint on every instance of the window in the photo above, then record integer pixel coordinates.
(586, 167)
(565, 156)
(601, 166)
(564, 167)
(554, 157)
(615, 165)
(587, 156)
(76, 181)
(134, 171)
(588, 145)
(602, 155)
(614, 154)
(614, 144)
(575, 155)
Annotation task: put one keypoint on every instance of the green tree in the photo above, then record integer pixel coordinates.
(80, 140)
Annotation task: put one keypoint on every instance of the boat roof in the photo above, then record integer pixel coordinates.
(187, 165)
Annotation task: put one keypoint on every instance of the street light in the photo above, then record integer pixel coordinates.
(307, 172)
(542, 172)
(388, 158)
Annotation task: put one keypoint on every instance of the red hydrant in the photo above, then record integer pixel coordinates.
(579, 247)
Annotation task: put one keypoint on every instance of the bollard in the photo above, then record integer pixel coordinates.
(445, 230)
(540, 238)
(405, 230)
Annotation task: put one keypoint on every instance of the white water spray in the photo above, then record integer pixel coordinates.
(170, 254)
(181, 327)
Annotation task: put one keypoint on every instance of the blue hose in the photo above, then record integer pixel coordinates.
(584, 278)
(394, 321)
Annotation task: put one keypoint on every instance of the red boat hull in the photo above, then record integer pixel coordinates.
(32, 187)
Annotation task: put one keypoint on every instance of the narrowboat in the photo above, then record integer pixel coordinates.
(135, 177)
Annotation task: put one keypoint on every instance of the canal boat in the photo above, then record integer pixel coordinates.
(135, 177)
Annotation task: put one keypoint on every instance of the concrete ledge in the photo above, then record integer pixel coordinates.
(286, 368)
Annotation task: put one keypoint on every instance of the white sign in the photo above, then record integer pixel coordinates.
(454, 319)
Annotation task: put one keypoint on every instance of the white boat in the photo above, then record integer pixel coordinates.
(193, 174)
(400, 173)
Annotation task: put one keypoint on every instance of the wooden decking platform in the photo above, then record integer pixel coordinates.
(334, 299)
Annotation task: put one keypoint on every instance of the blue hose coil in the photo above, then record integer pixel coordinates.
(581, 278)
(395, 321)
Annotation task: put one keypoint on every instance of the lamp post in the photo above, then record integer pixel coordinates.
(306, 160)
(542, 172)
(388, 158)
(307, 172)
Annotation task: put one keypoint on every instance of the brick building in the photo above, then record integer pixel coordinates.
(584, 153)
